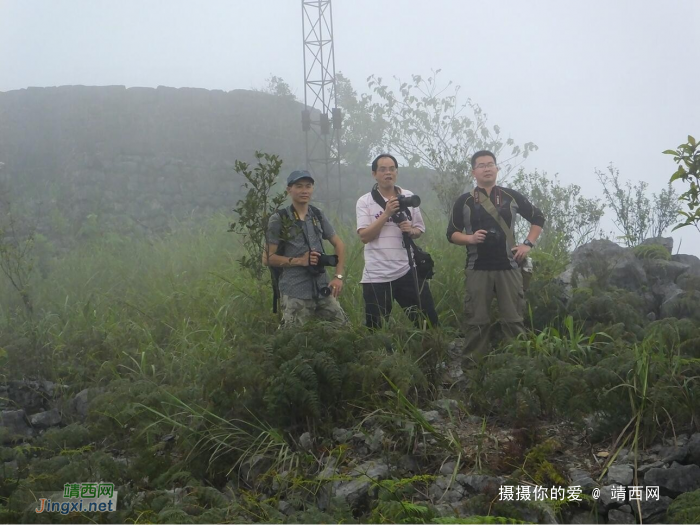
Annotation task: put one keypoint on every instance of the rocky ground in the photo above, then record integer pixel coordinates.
(465, 461)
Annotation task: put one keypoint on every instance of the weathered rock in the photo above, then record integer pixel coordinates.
(365, 478)
(690, 278)
(455, 347)
(617, 516)
(342, 435)
(606, 497)
(448, 468)
(80, 404)
(582, 478)
(448, 510)
(280, 481)
(474, 420)
(479, 484)
(31, 395)
(305, 441)
(679, 440)
(606, 262)
(285, 507)
(694, 449)
(447, 406)
(690, 260)
(643, 469)
(329, 472)
(15, 423)
(545, 512)
(8, 469)
(666, 242)
(254, 467)
(409, 463)
(620, 474)
(43, 420)
(431, 416)
(684, 304)
(652, 509)
(674, 480)
(666, 291)
(441, 490)
(663, 271)
(376, 441)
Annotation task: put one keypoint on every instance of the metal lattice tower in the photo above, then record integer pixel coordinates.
(321, 118)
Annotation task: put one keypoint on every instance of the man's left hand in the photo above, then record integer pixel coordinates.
(520, 252)
(406, 227)
(336, 286)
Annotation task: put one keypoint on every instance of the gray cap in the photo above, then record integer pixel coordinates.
(298, 175)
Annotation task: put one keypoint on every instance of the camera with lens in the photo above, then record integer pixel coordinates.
(493, 236)
(405, 202)
(327, 260)
(323, 261)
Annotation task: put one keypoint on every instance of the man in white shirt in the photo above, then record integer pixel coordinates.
(387, 274)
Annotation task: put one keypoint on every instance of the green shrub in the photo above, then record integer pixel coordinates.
(685, 508)
(651, 251)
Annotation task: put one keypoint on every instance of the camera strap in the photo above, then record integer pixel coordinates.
(493, 212)
(316, 220)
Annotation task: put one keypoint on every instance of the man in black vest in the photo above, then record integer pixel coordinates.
(483, 221)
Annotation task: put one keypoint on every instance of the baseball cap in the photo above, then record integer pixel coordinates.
(298, 175)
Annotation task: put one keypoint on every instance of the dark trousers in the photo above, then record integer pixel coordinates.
(379, 298)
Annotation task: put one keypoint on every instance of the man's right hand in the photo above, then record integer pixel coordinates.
(478, 237)
(309, 258)
(392, 206)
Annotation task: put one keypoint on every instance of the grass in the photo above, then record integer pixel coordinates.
(184, 345)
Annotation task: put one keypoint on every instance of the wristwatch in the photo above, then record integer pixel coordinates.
(528, 243)
(338, 276)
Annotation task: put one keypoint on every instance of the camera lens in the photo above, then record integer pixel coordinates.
(405, 202)
(327, 260)
(413, 201)
(324, 291)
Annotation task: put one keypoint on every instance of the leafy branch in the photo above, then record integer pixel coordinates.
(255, 209)
(687, 156)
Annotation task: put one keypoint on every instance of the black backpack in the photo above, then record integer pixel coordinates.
(275, 271)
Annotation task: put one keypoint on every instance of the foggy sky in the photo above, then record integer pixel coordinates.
(590, 82)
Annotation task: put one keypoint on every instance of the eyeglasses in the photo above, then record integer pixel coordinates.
(482, 166)
(384, 169)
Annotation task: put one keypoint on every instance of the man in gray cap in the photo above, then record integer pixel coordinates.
(295, 245)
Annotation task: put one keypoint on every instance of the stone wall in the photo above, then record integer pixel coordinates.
(145, 154)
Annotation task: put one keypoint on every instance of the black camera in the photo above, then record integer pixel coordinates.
(323, 261)
(406, 202)
(327, 260)
(324, 291)
(493, 236)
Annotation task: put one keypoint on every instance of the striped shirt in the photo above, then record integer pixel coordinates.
(385, 257)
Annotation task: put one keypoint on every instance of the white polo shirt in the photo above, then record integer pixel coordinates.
(385, 256)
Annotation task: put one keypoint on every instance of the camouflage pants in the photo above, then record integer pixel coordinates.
(300, 311)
